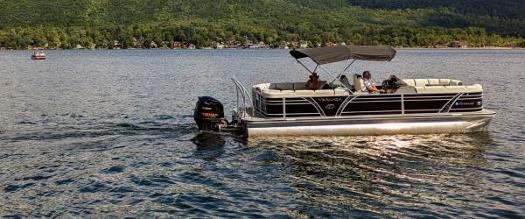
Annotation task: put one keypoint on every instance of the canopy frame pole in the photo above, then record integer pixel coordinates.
(344, 70)
(315, 69)
(325, 70)
(348, 66)
(304, 66)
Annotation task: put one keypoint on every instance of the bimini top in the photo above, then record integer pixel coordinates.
(325, 55)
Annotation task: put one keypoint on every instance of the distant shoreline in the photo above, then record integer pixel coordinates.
(469, 48)
(185, 49)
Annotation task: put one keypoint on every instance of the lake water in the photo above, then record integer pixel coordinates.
(110, 133)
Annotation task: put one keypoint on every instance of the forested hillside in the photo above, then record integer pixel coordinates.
(146, 23)
(496, 8)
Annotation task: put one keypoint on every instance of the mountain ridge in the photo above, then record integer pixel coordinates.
(408, 23)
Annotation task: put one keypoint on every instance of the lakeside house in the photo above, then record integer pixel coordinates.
(165, 45)
(135, 43)
(176, 45)
(117, 44)
(153, 44)
(260, 45)
(219, 46)
(303, 45)
(330, 44)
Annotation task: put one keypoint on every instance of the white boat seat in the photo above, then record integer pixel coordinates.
(423, 86)
(439, 86)
(293, 85)
(341, 92)
(432, 82)
(359, 84)
(476, 88)
(267, 90)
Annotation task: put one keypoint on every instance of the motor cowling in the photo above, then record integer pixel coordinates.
(209, 114)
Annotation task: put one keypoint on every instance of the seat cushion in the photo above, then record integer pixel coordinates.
(269, 93)
(410, 82)
(455, 82)
(444, 82)
(433, 82)
(263, 86)
(327, 92)
(476, 88)
(341, 92)
(421, 82)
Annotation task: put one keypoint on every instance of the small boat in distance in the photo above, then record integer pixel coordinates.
(38, 55)
(409, 106)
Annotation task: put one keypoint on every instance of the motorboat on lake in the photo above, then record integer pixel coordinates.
(38, 55)
(413, 106)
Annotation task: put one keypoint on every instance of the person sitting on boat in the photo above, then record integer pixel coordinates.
(313, 83)
(369, 84)
(393, 83)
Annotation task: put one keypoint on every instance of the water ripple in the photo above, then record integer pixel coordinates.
(110, 134)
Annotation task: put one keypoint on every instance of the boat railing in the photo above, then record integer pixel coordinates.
(405, 104)
(243, 99)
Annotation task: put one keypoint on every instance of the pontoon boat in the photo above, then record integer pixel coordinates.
(416, 106)
(38, 55)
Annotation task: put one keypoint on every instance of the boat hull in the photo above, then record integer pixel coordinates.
(38, 57)
(428, 123)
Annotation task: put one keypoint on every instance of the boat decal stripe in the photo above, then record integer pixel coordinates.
(345, 103)
(450, 103)
(316, 105)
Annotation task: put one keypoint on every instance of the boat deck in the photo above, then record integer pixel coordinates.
(431, 108)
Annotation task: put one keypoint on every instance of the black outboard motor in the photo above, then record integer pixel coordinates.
(209, 114)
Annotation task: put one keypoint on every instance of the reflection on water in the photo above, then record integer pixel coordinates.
(210, 146)
(110, 134)
(383, 174)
